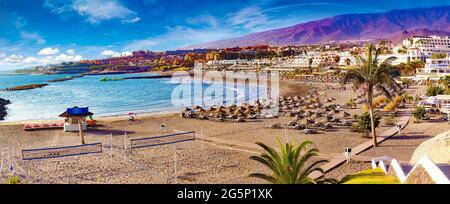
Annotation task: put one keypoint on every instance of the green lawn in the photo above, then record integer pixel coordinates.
(371, 176)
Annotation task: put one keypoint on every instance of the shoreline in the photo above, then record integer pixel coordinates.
(287, 88)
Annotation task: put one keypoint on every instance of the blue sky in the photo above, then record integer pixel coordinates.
(35, 32)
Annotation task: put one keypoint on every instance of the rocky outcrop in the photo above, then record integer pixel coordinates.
(3, 103)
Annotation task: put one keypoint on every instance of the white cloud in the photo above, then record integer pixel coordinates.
(49, 51)
(32, 37)
(70, 52)
(95, 11)
(30, 60)
(133, 20)
(19, 61)
(110, 53)
(126, 53)
(181, 36)
(13, 59)
(67, 58)
(20, 22)
(249, 18)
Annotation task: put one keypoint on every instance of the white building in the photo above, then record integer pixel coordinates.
(439, 66)
(423, 47)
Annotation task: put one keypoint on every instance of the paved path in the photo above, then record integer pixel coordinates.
(338, 160)
(334, 159)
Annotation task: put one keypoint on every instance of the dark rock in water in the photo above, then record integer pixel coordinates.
(3, 103)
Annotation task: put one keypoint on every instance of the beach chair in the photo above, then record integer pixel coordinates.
(309, 131)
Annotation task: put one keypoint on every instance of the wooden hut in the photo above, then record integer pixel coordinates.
(76, 120)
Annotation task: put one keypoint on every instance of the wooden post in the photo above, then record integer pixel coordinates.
(80, 125)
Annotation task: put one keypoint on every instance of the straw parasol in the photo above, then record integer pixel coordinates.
(197, 107)
(219, 113)
(186, 109)
(345, 114)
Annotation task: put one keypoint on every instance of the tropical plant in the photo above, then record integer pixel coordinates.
(290, 166)
(310, 62)
(370, 176)
(407, 98)
(410, 68)
(351, 103)
(419, 113)
(407, 82)
(337, 58)
(371, 74)
(391, 106)
(389, 120)
(348, 61)
(438, 56)
(434, 90)
(447, 92)
(445, 81)
(379, 100)
(13, 180)
(364, 122)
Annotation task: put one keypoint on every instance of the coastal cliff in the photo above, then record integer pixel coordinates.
(3, 103)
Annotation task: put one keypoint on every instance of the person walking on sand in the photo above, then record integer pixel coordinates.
(399, 127)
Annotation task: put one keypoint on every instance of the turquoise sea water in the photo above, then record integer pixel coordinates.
(103, 98)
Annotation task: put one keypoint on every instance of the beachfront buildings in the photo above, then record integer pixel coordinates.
(423, 47)
(438, 65)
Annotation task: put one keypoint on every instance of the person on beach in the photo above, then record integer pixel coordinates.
(399, 127)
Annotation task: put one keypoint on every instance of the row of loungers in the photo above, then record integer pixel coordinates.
(30, 127)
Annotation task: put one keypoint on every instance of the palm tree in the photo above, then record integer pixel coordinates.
(371, 74)
(289, 166)
(445, 81)
(348, 61)
(310, 62)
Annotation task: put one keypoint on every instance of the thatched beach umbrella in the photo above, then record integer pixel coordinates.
(238, 112)
(310, 121)
(197, 107)
(219, 113)
(249, 111)
(345, 114)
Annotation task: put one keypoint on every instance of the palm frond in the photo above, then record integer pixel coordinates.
(268, 178)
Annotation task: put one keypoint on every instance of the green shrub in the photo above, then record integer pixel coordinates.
(389, 120)
(364, 123)
(447, 92)
(419, 113)
(434, 90)
(13, 180)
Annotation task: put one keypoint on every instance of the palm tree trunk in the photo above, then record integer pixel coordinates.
(372, 119)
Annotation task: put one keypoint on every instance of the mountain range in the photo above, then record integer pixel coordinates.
(392, 25)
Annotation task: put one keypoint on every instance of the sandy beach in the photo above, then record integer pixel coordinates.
(210, 161)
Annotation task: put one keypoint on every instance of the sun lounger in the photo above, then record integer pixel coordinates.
(309, 131)
(30, 127)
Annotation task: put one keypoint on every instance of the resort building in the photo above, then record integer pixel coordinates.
(423, 47)
(440, 66)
